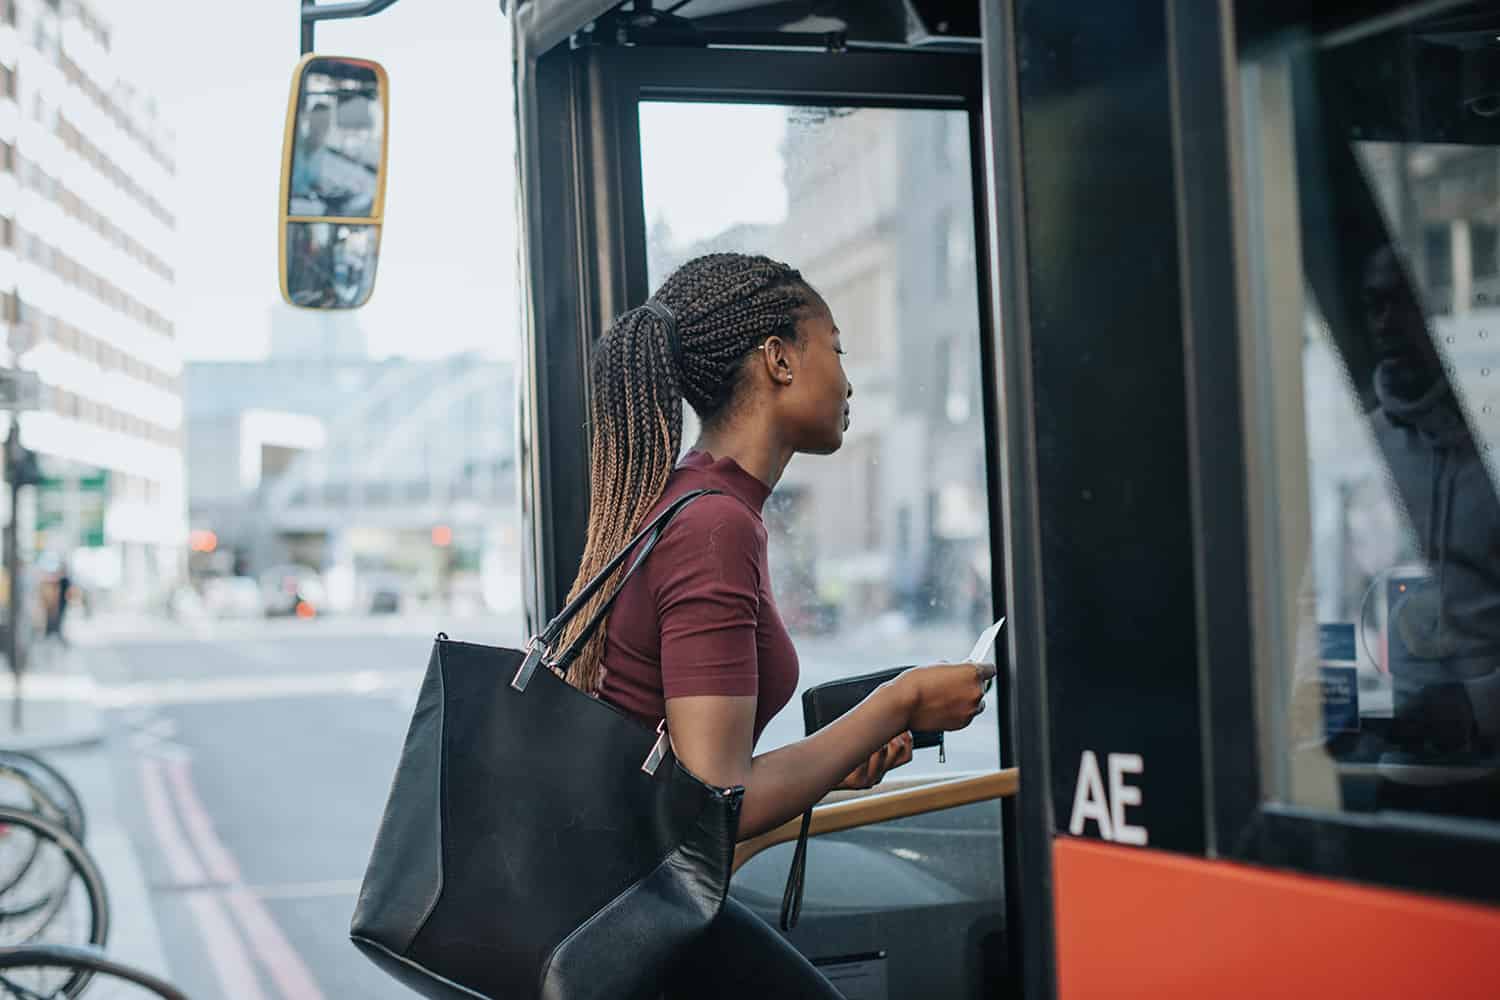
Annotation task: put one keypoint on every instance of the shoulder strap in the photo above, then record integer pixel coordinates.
(651, 533)
(796, 878)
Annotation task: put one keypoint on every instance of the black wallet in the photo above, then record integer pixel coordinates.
(820, 706)
(826, 702)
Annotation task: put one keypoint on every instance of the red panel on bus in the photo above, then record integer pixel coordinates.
(1134, 922)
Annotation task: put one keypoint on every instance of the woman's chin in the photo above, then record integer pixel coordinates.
(829, 447)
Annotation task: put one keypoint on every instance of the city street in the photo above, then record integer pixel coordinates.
(251, 761)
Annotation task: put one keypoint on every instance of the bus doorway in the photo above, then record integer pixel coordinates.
(860, 168)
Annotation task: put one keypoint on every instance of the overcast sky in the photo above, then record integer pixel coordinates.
(446, 282)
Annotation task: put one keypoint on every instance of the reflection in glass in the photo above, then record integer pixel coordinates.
(337, 151)
(330, 266)
(880, 553)
(1397, 683)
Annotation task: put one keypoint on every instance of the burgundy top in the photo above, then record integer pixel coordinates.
(698, 617)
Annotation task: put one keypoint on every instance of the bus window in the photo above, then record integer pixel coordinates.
(881, 552)
(1372, 171)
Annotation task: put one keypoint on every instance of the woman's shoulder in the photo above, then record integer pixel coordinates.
(718, 508)
(713, 521)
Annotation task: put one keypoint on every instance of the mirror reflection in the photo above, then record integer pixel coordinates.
(330, 266)
(339, 140)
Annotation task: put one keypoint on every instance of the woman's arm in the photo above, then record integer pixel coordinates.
(713, 736)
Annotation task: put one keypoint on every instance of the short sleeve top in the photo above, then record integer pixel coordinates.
(698, 617)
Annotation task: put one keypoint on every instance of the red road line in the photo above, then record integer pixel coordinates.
(226, 953)
(230, 960)
(294, 981)
(217, 860)
(174, 846)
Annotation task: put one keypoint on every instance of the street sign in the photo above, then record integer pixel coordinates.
(20, 390)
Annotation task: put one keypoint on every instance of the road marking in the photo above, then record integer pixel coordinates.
(294, 981)
(230, 961)
(252, 687)
(308, 890)
(218, 865)
(276, 953)
(181, 861)
(226, 953)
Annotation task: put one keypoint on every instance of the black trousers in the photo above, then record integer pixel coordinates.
(743, 957)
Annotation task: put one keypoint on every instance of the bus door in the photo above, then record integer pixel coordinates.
(642, 147)
(1252, 357)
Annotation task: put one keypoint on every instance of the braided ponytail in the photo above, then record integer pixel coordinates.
(725, 305)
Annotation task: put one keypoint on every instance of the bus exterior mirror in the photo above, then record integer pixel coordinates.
(333, 167)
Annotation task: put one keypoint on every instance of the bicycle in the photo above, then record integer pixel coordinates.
(57, 872)
(54, 972)
(51, 784)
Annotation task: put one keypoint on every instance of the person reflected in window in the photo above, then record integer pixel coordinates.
(326, 180)
(1443, 631)
(310, 155)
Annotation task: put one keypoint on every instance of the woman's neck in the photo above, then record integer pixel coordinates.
(752, 450)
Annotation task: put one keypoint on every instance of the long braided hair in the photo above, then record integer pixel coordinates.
(725, 306)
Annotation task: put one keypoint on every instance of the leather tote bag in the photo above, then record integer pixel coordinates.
(537, 841)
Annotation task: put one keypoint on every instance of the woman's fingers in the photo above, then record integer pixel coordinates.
(895, 753)
(892, 755)
(903, 751)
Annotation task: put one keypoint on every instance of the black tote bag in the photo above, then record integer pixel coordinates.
(539, 842)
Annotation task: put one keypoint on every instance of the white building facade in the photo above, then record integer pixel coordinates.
(86, 298)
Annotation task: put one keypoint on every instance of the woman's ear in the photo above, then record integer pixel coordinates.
(778, 360)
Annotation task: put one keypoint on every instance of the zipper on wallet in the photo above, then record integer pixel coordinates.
(659, 751)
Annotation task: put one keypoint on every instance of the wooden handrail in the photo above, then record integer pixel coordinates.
(878, 808)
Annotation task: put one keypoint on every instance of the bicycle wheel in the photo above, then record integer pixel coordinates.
(18, 790)
(54, 785)
(55, 972)
(60, 899)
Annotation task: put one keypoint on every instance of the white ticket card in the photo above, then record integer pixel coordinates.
(985, 644)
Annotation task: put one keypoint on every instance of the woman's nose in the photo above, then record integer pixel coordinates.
(849, 394)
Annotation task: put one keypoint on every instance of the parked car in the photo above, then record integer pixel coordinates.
(232, 597)
(292, 590)
(381, 592)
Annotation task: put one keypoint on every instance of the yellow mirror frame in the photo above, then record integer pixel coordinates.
(376, 218)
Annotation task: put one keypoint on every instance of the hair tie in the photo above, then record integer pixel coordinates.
(657, 308)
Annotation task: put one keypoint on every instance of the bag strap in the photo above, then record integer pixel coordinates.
(791, 899)
(536, 649)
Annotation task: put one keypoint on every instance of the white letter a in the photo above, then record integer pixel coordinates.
(1089, 802)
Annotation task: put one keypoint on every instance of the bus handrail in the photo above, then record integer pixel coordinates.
(847, 814)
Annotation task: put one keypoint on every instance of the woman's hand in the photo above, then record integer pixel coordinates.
(887, 758)
(944, 696)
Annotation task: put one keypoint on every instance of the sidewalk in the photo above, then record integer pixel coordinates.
(61, 722)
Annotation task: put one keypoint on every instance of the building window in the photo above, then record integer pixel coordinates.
(1437, 247)
(7, 82)
(7, 232)
(1484, 243)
